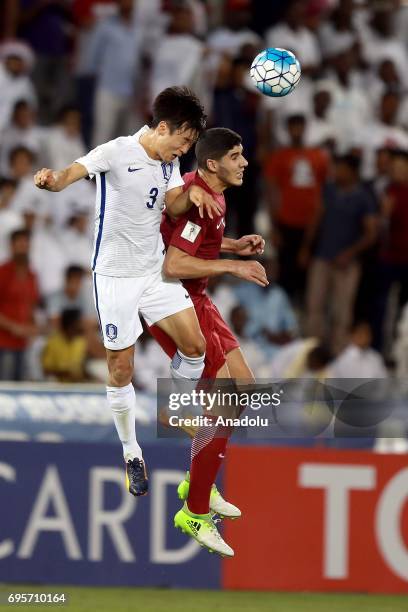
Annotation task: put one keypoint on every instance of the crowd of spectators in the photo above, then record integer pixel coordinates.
(326, 185)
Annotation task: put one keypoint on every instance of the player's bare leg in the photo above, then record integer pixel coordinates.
(184, 329)
(122, 401)
(187, 364)
(238, 368)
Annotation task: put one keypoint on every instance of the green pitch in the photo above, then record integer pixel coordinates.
(84, 599)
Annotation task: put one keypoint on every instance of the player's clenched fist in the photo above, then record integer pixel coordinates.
(251, 271)
(47, 179)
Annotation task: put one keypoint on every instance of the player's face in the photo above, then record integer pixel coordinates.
(171, 145)
(230, 168)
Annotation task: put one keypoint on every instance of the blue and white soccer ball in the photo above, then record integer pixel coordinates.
(275, 72)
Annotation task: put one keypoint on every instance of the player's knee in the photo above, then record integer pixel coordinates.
(120, 371)
(193, 346)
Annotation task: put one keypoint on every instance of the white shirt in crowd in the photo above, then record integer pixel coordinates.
(29, 199)
(77, 247)
(153, 363)
(79, 196)
(13, 89)
(351, 110)
(354, 362)
(230, 42)
(376, 136)
(131, 189)
(33, 138)
(168, 70)
(61, 148)
(47, 258)
(10, 220)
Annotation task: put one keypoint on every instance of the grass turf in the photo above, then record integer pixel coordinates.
(81, 599)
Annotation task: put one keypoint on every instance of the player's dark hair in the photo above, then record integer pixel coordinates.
(214, 144)
(179, 106)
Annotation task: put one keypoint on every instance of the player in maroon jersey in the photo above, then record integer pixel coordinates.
(193, 247)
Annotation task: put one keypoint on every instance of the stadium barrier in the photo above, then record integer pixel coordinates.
(313, 519)
(66, 518)
(317, 520)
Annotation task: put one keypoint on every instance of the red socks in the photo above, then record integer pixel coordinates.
(207, 453)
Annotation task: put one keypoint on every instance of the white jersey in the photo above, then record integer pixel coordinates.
(131, 189)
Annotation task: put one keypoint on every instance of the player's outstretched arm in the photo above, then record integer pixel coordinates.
(57, 180)
(178, 264)
(252, 244)
(178, 202)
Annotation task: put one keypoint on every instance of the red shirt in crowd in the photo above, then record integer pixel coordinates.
(299, 175)
(198, 237)
(18, 298)
(395, 249)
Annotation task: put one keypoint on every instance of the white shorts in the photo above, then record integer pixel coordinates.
(120, 302)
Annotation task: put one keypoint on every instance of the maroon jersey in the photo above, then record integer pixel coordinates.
(198, 237)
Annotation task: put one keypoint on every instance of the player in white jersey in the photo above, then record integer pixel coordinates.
(137, 176)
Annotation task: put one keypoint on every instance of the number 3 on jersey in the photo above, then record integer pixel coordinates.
(153, 193)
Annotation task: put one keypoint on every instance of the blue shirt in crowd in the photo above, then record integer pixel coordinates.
(342, 223)
(114, 56)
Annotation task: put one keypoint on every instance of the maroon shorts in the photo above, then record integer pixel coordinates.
(219, 338)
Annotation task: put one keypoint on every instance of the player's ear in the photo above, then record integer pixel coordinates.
(163, 128)
(211, 165)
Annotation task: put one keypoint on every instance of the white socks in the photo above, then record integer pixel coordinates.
(186, 368)
(122, 401)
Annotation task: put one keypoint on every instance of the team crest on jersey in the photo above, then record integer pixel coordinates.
(167, 171)
(191, 231)
(111, 331)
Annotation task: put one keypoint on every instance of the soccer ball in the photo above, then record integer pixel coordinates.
(275, 72)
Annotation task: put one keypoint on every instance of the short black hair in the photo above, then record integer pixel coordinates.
(19, 233)
(7, 182)
(69, 316)
(351, 160)
(21, 103)
(179, 106)
(214, 144)
(319, 357)
(296, 118)
(21, 149)
(74, 271)
(403, 153)
(65, 110)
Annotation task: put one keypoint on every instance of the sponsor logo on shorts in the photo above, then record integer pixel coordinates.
(111, 331)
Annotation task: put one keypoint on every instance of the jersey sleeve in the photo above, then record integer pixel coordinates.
(175, 179)
(99, 159)
(189, 233)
